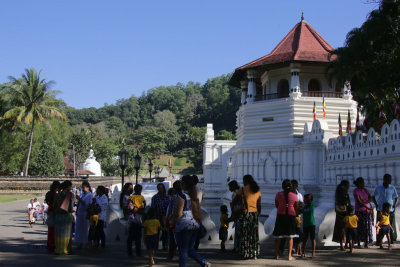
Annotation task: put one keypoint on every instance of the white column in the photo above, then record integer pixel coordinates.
(243, 86)
(295, 81)
(251, 76)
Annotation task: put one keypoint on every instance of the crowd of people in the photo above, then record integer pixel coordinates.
(354, 224)
(75, 214)
(174, 218)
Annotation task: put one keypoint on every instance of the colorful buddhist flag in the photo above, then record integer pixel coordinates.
(348, 128)
(365, 124)
(340, 126)
(380, 116)
(314, 112)
(357, 128)
(396, 109)
(323, 107)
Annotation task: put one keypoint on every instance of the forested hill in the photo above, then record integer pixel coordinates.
(192, 104)
(166, 120)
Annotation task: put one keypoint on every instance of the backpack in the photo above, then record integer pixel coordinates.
(239, 205)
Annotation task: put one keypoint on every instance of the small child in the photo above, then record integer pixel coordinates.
(93, 211)
(45, 210)
(383, 226)
(298, 241)
(137, 203)
(350, 222)
(151, 231)
(224, 224)
(308, 224)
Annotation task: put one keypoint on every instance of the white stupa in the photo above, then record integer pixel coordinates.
(91, 164)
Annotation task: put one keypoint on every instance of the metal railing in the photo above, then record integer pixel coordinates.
(266, 97)
(322, 94)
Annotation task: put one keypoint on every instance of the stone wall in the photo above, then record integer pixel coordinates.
(40, 185)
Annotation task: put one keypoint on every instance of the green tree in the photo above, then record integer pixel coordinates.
(194, 137)
(370, 60)
(149, 140)
(49, 160)
(106, 151)
(80, 140)
(32, 102)
(225, 135)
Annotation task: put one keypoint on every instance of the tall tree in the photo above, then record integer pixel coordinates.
(370, 60)
(32, 102)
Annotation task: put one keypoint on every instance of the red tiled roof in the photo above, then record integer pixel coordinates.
(302, 43)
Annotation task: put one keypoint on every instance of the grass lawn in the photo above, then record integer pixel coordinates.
(9, 198)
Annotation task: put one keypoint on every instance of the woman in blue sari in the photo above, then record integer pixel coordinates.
(82, 223)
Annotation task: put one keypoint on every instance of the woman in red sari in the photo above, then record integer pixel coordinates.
(49, 199)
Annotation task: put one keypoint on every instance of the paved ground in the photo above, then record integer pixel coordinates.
(23, 246)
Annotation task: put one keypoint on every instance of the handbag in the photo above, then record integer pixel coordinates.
(340, 209)
(239, 205)
(186, 222)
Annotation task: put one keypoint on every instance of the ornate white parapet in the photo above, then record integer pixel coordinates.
(210, 132)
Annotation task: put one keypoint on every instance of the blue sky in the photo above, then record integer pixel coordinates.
(100, 51)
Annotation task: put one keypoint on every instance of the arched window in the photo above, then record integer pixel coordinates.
(283, 88)
(314, 85)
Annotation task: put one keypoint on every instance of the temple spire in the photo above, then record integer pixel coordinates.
(302, 16)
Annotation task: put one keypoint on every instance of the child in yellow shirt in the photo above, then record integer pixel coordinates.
(350, 222)
(384, 226)
(136, 207)
(224, 224)
(151, 227)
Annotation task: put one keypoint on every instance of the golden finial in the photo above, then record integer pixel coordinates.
(302, 15)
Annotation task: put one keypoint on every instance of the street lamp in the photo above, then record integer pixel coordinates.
(123, 161)
(138, 158)
(150, 168)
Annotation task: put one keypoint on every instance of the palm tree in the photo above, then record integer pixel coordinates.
(32, 102)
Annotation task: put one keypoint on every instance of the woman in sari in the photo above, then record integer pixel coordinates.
(363, 209)
(63, 219)
(50, 200)
(342, 203)
(247, 225)
(82, 222)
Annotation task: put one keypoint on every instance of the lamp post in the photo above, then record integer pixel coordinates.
(138, 158)
(73, 154)
(150, 168)
(123, 161)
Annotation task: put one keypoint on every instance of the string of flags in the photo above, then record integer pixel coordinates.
(314, 112)
(364, 126)
(348, 128)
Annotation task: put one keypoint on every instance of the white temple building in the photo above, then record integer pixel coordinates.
(278, 139)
